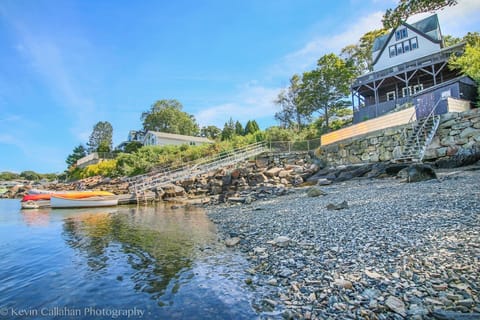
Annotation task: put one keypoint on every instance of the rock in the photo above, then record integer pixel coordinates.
(465, 302)
(281, 241)
(259, 250)
(394, 168)
(373, 275)
(272, 282)
(273, 172)
(339, 206)
(315, 192)
(452, 315)
(461, 157)
(396, 305)
(440, 287)
(417, 173)
(323, 182)
(231, 242)
(345, 284)
(285, 272)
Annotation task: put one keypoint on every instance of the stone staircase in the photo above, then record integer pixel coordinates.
(140, 184)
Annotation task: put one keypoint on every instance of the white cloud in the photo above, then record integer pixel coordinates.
(457, 20)
(307, 56)
(252, 102)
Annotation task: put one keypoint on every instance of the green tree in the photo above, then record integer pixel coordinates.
(239, 128)
(211, 132)
(167, 116)
(292, 114)
(132, 146)
(30, 175)
(251, 127)
(228, 130)
(360, 54)
(469, 62)
(449, 40)
(7, 176)
(101, 137)
(78, 153)
(325, 89)
(406, 8)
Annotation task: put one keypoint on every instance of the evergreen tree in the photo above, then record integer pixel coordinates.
(251, 127)
(101, 137)
(78, 153)
(238, 128)
(228, 130)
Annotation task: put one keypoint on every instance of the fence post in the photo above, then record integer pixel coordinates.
(308, 145)
(289, 146)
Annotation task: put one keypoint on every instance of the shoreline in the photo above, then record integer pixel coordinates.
(399, 249)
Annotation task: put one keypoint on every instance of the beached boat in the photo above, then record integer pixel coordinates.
(66, 194)
(35, 204)
(59, 201)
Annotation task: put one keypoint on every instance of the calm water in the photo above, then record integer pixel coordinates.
(125, 262)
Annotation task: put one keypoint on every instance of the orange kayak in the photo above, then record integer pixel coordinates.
(67, 195)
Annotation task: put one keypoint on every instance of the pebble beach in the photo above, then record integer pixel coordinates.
(363, 249)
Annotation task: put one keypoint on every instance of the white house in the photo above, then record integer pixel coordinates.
(408, 62)
(155, 138)
(407, 42)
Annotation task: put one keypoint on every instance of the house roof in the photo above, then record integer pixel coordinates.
(180, 137)
(428, 28)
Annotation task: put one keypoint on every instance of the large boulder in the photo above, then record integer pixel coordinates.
(417, 172)
(462, 157)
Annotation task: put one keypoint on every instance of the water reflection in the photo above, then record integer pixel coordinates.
(165, 262)
(159, 244)
(36, 217)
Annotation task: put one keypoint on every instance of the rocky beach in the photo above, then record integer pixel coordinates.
(364, 248)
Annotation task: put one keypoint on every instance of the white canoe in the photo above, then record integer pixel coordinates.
(97, 201)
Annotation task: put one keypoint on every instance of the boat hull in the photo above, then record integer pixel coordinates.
(91, 202)
(69, 195)
(37, 204)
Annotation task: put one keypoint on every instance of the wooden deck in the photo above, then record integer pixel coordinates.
(380, 123)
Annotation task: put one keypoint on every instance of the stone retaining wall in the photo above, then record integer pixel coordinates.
(457, 132)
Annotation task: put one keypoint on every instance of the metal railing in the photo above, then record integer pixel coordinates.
(166, 175)
(421, 135)
(293, 146)
(188, 170)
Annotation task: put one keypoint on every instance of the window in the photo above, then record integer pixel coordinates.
(392, 51)
(446, 94)
(414, 43)
(401, 34)
(390, 95)
(403, 47)
(399, 48)
(406, 91)
(417, 88)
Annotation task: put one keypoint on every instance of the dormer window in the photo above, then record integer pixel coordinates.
(403, 47)
(401, 34)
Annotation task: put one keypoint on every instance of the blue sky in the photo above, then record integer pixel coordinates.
(67, 64)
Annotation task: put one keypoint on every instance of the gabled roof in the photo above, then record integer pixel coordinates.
(180, 137)
(427, 27)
